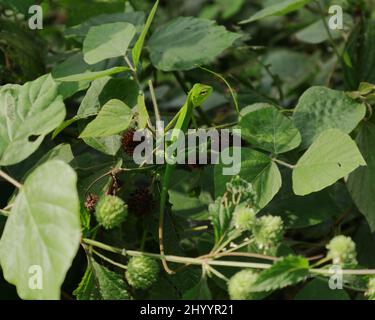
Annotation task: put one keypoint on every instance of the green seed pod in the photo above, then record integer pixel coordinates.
(342, 251)
(110, 211)
(239, 286)
(244, 218)
(268, 232)
(142, 272)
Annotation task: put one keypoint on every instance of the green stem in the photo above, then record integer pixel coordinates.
(10, 179)
(109, 260)
(211, 262)
(285, 164)
(176, 259)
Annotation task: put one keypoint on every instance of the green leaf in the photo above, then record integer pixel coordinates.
(361, 183)
(277, 9)
(320, 108)
(318, 289)
(289, 68)
(101, 91)
(111, 285)
(186, 42)
(113, 118)
(80, 31)
(143, 116)
(269, 130)
(107, 41)
(301, 212)
(87, 288)
(92, 75)
(199, 292)
(42, 230)
(137, 50)
(288, 271)
(256, 168)
(74, 65)
(29, 113)
(331, 157)
(316, 33)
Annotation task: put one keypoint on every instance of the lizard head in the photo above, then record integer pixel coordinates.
(199, 93)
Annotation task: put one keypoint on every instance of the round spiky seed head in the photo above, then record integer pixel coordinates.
(268, 232)
(342, 251)
(110, 211)
(244, 218)
(371, 289)
(240, 285)
(142, 272)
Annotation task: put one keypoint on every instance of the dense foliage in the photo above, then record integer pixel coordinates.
(79, 219)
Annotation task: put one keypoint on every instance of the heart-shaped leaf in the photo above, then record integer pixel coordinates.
(27, 114)
(42, 234)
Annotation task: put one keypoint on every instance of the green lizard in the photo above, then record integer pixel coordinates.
(196, 96)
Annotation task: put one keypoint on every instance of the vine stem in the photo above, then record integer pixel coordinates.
(285, 164)
(109, 260)
(176, 259)
(211, 262)
(10, 179)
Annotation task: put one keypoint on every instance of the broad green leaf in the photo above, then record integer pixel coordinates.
(186, 42)
(184, 201)
(269, 130)
(319, 289)
(105, 89)
(87, 288)
(361, 183)
(92, 75)
(113, 118)
(27, 114)
(320, 108)
(110, 284)
(301, 212)
(42, 233)
(316, 33)
(331, 157)
(291, 69)
(278, 9)
(199, 292)
(71, 66)
(107, 41)
(288, 271)
(101, 91)
(80, 31)
(137, 50)
(256, 168)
